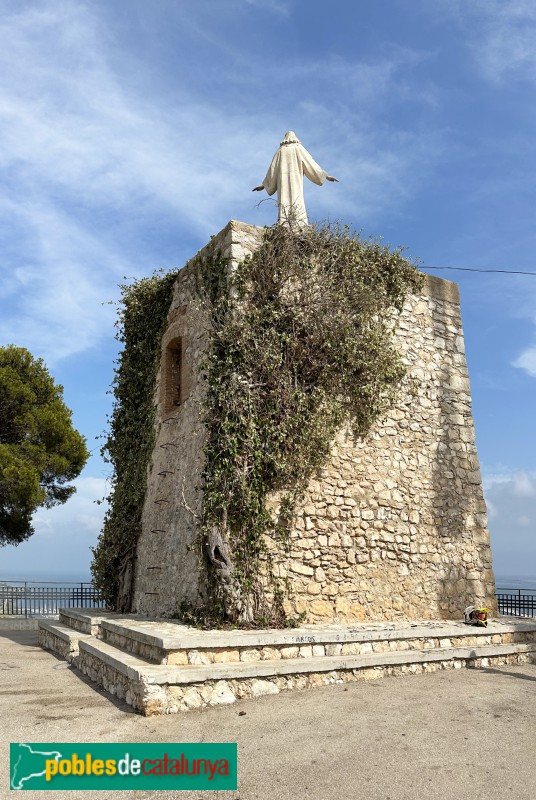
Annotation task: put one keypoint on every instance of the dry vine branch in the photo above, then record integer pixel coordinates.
(299, 342)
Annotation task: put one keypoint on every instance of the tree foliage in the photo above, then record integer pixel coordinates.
(40, 450)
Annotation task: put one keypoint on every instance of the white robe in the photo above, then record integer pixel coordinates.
(285, 176)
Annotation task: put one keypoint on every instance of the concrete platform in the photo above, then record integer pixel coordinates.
(160, 666)
(464, 734)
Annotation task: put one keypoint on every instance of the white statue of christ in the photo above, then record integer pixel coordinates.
(285, 176)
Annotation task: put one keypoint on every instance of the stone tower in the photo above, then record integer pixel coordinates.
(393, 528)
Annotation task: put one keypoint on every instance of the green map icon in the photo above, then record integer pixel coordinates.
(28, 764)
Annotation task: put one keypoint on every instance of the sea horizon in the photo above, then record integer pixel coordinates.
(46, 576)
(515, 582)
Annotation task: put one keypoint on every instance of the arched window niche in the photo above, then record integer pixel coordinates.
(172, 383)
(174, 373)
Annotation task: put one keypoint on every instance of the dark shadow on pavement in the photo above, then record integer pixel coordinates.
(519, 675)
(26, 638)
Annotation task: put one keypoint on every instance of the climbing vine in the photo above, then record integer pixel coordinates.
(300, 341)
(141, 321)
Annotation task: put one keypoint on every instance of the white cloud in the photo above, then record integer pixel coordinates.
(511, 500)
(280, 7)
(527, 361)
(502, 36)
(79, 153)
(507, 47)
(521, 482)
(56, 295)
(95, 166)
(524, 484)
(78, 127)
(495, 476)
(80, 514)
(492, 511)
(63, 537)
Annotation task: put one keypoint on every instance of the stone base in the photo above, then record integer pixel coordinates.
(162, 667)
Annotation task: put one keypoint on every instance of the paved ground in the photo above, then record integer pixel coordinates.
(456, 735)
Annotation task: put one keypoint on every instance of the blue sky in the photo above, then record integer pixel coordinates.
(131, 131)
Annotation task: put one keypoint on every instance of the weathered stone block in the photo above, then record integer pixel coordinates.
(222, 694)
(260, 688)
(178, 657)
(226, 656)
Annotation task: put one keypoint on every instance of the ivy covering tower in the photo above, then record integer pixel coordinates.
(292, 438)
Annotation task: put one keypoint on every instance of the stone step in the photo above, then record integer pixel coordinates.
(60, 639)
(139, 669)
(88, 620)
(164, 688)
(166, 642)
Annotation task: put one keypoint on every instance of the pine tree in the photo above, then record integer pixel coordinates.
(40, 450)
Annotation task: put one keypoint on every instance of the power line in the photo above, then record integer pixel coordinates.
(476, 269)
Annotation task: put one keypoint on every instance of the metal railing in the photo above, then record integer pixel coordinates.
(45, 598)
(516, 602)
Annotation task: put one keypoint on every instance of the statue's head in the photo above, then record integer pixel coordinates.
(290, 138)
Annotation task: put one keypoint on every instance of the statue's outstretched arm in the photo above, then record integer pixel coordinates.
(329, 178)
(258, 189)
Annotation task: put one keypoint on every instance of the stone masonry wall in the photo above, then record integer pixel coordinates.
(168, 564)
(393, 527)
